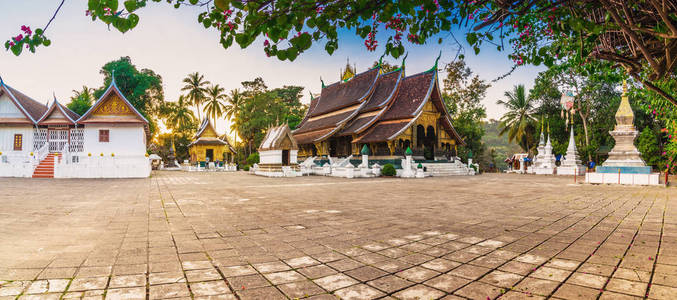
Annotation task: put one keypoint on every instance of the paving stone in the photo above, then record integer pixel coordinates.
(365, 273)
(447, 283)
(417, 274)
(126, 293)
(237, 271)
(166, 277)
(248, 281)
(626, 287)
(261, 293)
(317, 271)
(390, 283)
(209, 288)
(536, 286)
(570, 291)
(359, 292)
(202, 275)
(42, 297)
(171, 290)
(300, 289)
(418, 292)
(589, 280)
(479, 290)
(440, 265)
(501, 279)
(335, 282)
(284, 277)
(271, 267)
(127, 281)
(84, 284)
(301, 262)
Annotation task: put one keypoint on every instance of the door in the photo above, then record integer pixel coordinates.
(210, 154)
(57, 139)
(285, 157)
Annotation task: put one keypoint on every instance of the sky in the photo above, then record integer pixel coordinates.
(170, 42)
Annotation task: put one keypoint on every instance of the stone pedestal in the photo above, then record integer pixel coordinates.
(407, 171)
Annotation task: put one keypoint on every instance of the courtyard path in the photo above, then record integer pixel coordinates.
(237, 236)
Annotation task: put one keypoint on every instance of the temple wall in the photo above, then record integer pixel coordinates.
(199, 152)
(7, 133)
(123, 140)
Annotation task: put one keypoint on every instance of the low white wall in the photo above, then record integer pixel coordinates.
(104, 167)
(7, 139)
(275, 156)
(628, 179)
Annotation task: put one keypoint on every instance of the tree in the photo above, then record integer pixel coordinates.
(178, 117)
(214, 106)
(518, 122)
(233, 104)
(463, 94)
(196, 85)
(81, 101)
(143, 88)
(639, 36)
(647, 144)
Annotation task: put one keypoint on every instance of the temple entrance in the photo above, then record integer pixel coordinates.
(429, 144)
(57, 138)
(332, 147)
(285, 157)
(209, 154)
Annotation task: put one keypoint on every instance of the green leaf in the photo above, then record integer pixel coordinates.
(46, 42)
(130, 5)
(133, 20)
(282, 55)
(471, 38)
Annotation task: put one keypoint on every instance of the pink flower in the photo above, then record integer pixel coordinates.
(11, 44)
(26, 29)
(18, 37)
(266, 43)
(87, 12)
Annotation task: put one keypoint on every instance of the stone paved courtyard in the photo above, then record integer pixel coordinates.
(236, 236)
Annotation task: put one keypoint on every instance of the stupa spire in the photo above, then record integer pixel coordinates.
(624, 115)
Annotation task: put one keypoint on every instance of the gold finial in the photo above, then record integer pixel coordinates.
(624, 114)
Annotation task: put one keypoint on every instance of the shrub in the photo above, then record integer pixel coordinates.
(253, 158)
(388, 170)
(245, 168)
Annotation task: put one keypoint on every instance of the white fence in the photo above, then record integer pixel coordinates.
(84, 166)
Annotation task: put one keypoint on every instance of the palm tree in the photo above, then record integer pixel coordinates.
(178, 115)
(214, 108)
(233, 104)
(518, 122)
(196, 87)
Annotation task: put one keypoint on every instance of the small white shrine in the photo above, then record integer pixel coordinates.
(108, 141)
(278, 154)
(544, 164)
(571, 164)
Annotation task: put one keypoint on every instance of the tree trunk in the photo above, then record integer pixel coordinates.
(585, 130)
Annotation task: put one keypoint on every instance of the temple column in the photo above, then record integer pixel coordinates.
(391, 147)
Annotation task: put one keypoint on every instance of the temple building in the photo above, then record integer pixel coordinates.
(207, 146)
(387, 111)
(36, 140)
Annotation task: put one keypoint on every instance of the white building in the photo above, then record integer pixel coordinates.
(108, 141)
(278, 153)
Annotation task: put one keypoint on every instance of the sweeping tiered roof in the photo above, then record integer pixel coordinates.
(206, 135)
(277, 138)
(112, 107)
(392, 103)
(58, 114)
(30, 108)
(338, 103)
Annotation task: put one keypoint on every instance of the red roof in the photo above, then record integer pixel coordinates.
(32, 109)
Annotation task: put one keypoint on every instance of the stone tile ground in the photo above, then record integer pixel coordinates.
(236, 236)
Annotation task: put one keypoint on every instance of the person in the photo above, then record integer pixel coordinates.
(591, 165)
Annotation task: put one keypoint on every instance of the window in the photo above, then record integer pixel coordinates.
(104, 136)
(18, 142)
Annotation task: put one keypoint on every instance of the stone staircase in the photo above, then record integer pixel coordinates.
(46, 167)
(447, 169)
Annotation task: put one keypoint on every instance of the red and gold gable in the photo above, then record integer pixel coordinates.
(113, 106)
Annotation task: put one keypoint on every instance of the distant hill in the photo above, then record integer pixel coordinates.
(502, 149)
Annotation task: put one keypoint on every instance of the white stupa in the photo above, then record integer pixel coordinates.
(544, 164)
(571, 164)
